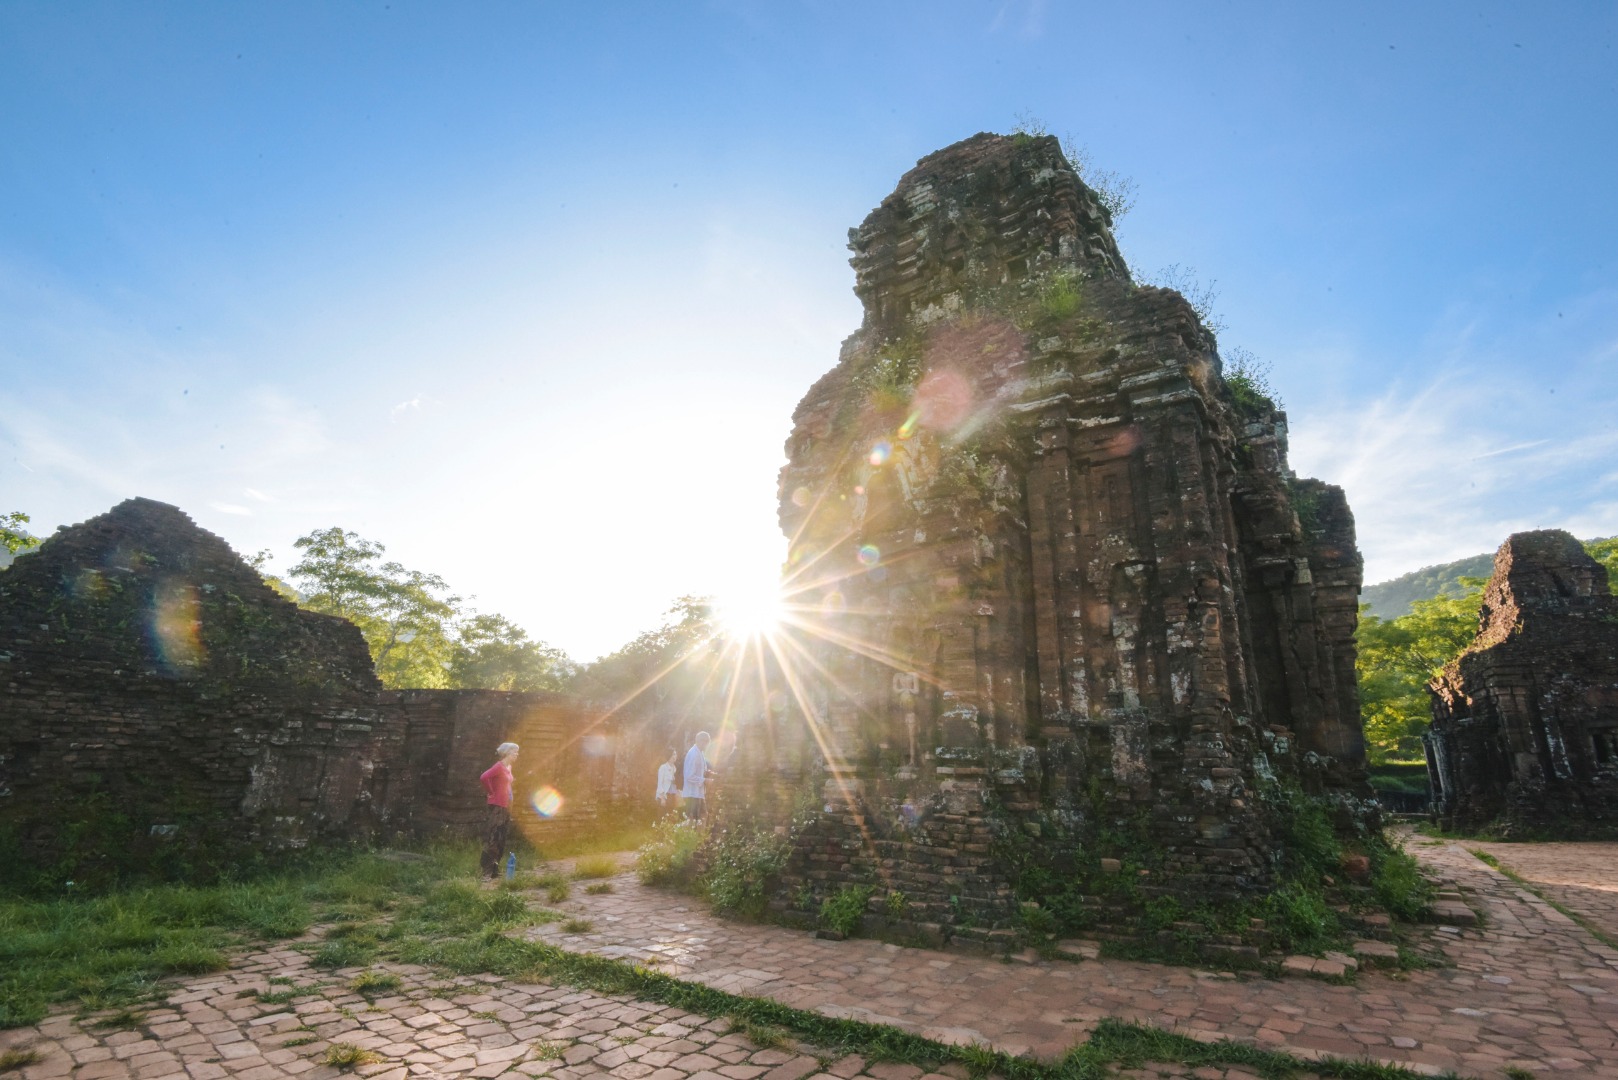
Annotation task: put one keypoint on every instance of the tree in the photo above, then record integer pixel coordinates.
(1605, 552)
(262, 559)
(11, 534)
(406, 623)
(492, 653)
(657, 661)
(1397, 658)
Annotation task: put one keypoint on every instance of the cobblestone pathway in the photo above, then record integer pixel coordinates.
(1580, 877)
(1533, 991)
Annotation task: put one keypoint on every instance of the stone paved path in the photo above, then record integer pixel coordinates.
(1533, 991)
(1580, 877)
(434, 1027)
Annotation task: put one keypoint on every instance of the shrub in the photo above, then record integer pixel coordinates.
(1301, 916)
(843, 910)
(669, 858)
(742, 868)
(1398, 882)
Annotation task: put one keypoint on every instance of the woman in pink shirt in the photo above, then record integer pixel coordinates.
(497, 826)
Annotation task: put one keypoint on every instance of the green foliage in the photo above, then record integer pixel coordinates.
(344, 952)
(1391, 599)
(843, 910)
(1398, 657)
(372, 984)
(1309, 843)
(1113, 190)
(112, 950)
(1184, 280)
(14, 1058)
(895, 905)
(1398, 882)
(491, 653)
(348, 1056)
(12, 538)
(595, 866)
(1060, 297)
(655, 664)
(1248, 379)
(406, 623)
(889, 383)
(418, 634)
(669, 858)
(742, 867)
(1605, 552)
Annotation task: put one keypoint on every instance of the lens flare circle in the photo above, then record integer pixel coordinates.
(547, 802)
(869, 555)
(880, 453)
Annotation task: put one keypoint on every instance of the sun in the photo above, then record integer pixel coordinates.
(750, 611)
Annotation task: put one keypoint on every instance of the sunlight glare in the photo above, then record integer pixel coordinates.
(754, 611)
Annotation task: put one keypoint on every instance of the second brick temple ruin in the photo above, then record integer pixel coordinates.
(1051, 569)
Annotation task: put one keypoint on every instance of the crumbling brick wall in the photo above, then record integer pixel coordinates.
(1525, 721)
(156, 695)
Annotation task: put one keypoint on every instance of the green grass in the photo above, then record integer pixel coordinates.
(598, 888)
(435, 914)
(114, 951)
(374, 984)
(12, 1060)
(595, 866)
(347, 1056)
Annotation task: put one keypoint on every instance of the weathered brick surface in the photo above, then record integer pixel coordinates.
(1048, 567)
(148, 675)
(1525, 721)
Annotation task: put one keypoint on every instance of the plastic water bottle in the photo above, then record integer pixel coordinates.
(511, 865)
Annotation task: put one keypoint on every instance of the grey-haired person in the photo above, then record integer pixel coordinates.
(497, 781)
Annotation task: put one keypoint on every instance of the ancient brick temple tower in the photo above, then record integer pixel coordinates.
(1052, 572)
(1525, 721)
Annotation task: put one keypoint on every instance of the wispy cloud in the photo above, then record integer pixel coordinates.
(230, 508)
(1429, 482)
(398, 412)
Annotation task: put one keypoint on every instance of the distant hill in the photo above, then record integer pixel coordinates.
(1391, 599)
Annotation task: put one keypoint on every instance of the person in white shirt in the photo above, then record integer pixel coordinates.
(696, 778)
(665, 781)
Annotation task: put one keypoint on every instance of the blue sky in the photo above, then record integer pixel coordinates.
(528, 292)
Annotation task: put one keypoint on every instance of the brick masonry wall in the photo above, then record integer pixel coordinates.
(155, 691)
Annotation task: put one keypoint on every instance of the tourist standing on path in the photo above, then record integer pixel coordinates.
(665, 781)
(497, 825)
(696, 778)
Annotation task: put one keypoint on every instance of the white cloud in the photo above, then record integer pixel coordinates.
(230, 508)
(1428, 478)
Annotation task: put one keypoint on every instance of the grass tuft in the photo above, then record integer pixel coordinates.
(595, 866)
(346, 1056)
(12, 1060)
(374, 984)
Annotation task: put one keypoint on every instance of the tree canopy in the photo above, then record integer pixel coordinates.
(12, 538)
(419, 634)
